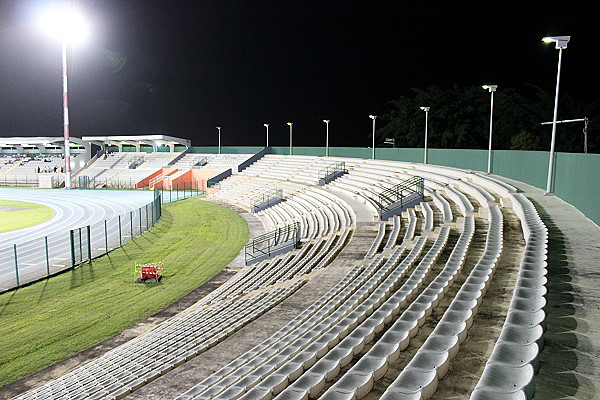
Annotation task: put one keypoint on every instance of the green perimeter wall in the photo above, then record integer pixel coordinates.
(576, 178)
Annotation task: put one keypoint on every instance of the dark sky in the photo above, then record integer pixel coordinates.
(183, 67)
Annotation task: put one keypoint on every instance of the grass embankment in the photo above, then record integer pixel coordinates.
(32, 214)
(54, 319)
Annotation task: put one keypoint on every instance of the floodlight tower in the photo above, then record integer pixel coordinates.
(327, 138)
(267, 126)
(290, 125)
(492, 89)
(560, 43)
(219, 128)
(426, 109)
(373, 117)
(68, 25)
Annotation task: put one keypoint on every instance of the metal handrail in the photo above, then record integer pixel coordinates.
(264, 244)
(331, 168)
(400, 191)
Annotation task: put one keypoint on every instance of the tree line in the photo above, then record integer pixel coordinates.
(459, 118)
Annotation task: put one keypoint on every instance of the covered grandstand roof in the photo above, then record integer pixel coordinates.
(39, 142)
(151, 140)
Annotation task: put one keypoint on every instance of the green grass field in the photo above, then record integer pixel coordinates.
(33, 214)
(54, 319)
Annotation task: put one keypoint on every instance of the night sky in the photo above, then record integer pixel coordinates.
(181, 68)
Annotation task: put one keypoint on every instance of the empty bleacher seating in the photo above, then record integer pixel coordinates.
(420, 282)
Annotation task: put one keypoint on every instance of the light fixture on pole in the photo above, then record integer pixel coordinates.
(561, 43)
(373, 117)
(219, 128)
(327, 138)
(290, 125)
(426, 109)
(267, 126)
(69, 26)
(492, 89)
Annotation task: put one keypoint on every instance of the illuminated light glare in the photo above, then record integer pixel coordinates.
(65, 23)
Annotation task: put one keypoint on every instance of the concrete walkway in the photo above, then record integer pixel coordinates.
(570, 360)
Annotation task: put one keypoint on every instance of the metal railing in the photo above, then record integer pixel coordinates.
(266, 199)
(23, 180)
(331, 168)
(399, 195)
(272, 243)
(331, 172)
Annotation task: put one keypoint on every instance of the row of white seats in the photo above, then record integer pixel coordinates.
(510, 370)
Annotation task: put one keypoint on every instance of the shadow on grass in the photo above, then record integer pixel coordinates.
(41, 298)
(10, 299)
(559, 359)
(83, 275)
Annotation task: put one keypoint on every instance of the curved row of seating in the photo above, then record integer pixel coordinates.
(509, 371)
(393, 238)
(377, 242)
(412, 225)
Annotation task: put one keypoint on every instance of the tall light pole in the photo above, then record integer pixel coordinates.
(219, 128)
(290, 125)
(267, 126)
(69, 26)
(561, 43)
(373, 117)
(327, 138)
(426, 109)
(492, 89)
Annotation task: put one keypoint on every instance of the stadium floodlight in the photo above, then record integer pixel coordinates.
(492, 89)
(267, 126)
(327, 138)
(290, 125)
(68, 25)
(219, 128)
(560, 41)
(373, 117)
(561, 44)
(426, 109)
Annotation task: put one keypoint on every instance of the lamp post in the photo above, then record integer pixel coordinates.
(267, 126)
(327, 138)
(219, 128)
(492, 89)
(426, 109)
(561, 43)
(290, 125)
(69, 26)
(373, 117)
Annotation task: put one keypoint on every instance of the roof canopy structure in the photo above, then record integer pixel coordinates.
(22, 144)
(137, 141)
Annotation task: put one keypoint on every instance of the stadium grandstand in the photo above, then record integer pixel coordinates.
(364, 278)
